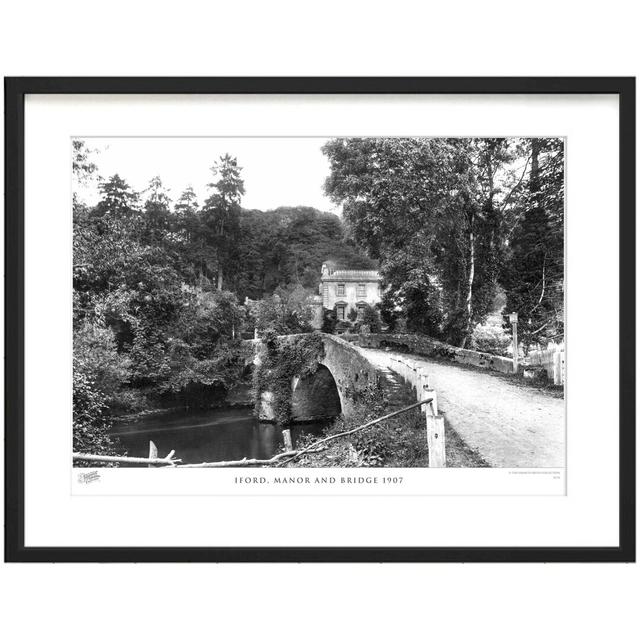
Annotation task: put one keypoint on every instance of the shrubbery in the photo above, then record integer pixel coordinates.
(490, 338)
(370, 319)
(283, 359)
(286, 311)
(91, 421)
(399, 441)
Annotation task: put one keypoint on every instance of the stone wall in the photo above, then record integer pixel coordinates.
(343, 370)
(352, 372)
(425, 346)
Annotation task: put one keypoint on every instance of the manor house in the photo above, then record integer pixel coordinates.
(348, 290)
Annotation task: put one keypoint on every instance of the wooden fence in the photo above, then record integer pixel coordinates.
(552, 360)
(418, 377)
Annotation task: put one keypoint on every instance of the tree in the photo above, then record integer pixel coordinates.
(91, 422)
(201, 360)
(533, 276)
(118, 199)
(82, 166)
(286, 311)
(371, 318)
(190, 236)
(106, 239)
(434, 212)
(221, 212)
(157, 213)
(288, 246)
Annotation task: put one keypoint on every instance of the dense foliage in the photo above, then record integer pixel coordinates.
(284, 312)
(145, 333)
(287, 246)
(399, 441)
(452, 221)
(160, 288)
(283, 359)
(533, 276)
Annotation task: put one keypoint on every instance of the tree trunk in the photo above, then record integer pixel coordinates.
(534, 176)
(471, 276)
(219, 278)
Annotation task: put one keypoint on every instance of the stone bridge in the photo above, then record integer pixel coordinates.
(342, 373)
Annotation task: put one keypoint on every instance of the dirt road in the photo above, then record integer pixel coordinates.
(508, 423)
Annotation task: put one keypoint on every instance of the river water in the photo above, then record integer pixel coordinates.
(208, 436)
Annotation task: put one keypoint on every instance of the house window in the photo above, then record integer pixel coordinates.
(362, 291)
(341, 290)
(341, 312)
(360, 313)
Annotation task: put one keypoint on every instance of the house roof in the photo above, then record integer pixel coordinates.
(352, 275)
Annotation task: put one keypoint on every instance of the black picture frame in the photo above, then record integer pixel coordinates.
(15, 91)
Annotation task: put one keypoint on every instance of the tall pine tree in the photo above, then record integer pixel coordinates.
(221, 213)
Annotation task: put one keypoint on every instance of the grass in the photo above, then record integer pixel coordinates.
(400, 442)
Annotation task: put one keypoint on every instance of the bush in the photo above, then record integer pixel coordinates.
(286, 311)
(399, 441)
(91, 423)
(490, 338)
(96, 356)
(283, 359)
(329, 321)
(343, 326)
(371, 318)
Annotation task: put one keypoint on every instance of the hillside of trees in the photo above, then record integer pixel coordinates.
(287, 246)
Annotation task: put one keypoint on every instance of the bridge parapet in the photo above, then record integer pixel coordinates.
(352, 372)
(425, 346)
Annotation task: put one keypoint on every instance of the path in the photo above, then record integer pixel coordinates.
(508, 423)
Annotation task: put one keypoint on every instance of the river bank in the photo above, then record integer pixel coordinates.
(210, 435)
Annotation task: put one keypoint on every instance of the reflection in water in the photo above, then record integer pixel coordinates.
(208, 436)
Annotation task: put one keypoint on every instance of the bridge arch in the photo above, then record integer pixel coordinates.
(315, 396)
(342, 370)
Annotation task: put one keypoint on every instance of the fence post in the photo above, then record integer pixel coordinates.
(411, 374)
(428, 392)
(423, 388)
(557, 368)
(513, 318)
(436, 441)
(288, 445)
(432, 408)
(405, 369)
(153, 452)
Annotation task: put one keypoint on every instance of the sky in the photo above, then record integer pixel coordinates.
(276, 171)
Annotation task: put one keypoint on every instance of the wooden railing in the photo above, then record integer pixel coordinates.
(552, 360)
(418, 377)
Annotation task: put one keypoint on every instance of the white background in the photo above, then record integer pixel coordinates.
(331, 38)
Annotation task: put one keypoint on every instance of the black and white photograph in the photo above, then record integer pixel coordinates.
(306, 302)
